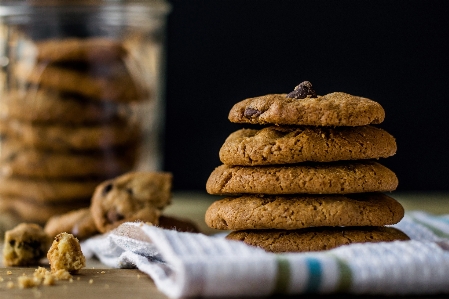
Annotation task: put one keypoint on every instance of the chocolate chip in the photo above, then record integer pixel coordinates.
(251, 112)
(302, 91)
(114, 216)
(107, 188)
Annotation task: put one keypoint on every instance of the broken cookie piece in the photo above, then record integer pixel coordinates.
(25, 245)
(65, 254)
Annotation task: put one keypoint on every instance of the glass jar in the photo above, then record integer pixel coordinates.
(81, 100)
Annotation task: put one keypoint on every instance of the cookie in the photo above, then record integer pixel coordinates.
(333, 109)
(79, 223)
(47, 191)
(178, 224)
(325, 178)
(134, 196)
(65, 254)
(30, 211)
(101, 82)
(315, 238)
(60, 137)
(19, 160)
(50, 106)
(286, 145)
(95, 49)
(300, 211)
(25, 245)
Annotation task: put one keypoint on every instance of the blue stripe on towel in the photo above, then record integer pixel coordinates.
(315, 277)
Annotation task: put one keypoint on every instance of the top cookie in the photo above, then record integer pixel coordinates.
(333, 109)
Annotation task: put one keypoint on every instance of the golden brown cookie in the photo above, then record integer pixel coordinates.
(333, 109)
(134, 196)
(47, 191)
(101, 82)
(65, 254)
(315, 238)
(25, 245)
(51, 106)
(325, 178)
(79, 222)
(95, 49)
(286, 145)
(66, 137)
(27, 161)
(300, 211)
(31, 211)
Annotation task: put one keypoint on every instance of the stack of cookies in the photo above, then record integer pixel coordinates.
(308, 177)
(66, 124)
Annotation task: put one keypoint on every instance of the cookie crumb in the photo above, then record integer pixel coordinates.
(49, 280)
(1, 279)
(10, 284)
(302, 91)
(91, 281)
(26, 282)
(8, 272)
(61, 274)
(103, 272)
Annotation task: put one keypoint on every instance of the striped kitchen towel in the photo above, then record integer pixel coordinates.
(189, 264)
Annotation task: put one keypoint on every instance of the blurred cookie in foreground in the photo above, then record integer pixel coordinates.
(134, 196)
(25, 245)
(79, 222)
(315, 238)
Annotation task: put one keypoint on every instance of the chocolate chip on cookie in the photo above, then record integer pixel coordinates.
(302, 91)
(251, 112)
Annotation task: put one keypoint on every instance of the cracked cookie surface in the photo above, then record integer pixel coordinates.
(333, 109)
(295, 212)
(329, 178)
(286, 145)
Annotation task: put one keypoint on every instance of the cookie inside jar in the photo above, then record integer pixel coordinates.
(80, 103)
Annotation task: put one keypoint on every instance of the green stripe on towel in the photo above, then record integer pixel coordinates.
(283, 275)
(345, 280)
(435, 230)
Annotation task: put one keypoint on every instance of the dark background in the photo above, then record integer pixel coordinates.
(394, 52)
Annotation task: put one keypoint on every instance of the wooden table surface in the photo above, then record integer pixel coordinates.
(99, 281)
